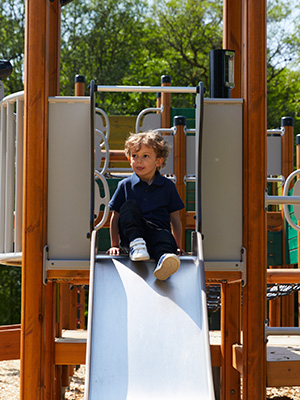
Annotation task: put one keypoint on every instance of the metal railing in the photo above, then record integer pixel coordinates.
(11, 178)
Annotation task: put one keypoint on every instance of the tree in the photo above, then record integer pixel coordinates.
(10, 295)
(188, 30)
(283, 74)
(180, 34)
(101, 40)
(12, 17)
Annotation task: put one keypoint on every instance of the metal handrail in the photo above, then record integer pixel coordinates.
(144, 112)
(147, 89)
(198, 146)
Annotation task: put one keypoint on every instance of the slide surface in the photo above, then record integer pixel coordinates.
(147, 339)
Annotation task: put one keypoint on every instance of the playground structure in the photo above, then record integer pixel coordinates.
(38, 345)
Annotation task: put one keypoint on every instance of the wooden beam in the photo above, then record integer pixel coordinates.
(222, 276)
(285, 373)
(254, 93)
(237, 357)
(279, 373)
(74, 352)
(275, 221)
(81, 277)
(70, 353)
(284, 275)
(10, 342)
(36, 77)
(76, 277)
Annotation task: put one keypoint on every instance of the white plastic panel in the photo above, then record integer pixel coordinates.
(148, 339)
(69, 179)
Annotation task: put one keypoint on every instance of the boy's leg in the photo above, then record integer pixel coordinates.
(132, 230)
(131, 222)
(159, 242)
(162, 247)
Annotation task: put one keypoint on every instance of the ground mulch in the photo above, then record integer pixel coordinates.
(10, 385)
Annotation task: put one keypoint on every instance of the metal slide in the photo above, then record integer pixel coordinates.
(147, 339)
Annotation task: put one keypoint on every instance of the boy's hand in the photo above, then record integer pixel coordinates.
(113, 251)
(180, 252)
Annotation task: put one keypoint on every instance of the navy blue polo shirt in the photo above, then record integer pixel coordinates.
(157, 200)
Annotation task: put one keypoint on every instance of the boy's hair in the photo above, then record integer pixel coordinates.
(149, 139)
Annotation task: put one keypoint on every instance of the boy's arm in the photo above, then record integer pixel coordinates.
(176, 229)
(114, 234)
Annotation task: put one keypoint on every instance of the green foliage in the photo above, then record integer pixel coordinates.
(10, 295)
(101, 40)
(132, 42)
(283, 99)
(12, 17)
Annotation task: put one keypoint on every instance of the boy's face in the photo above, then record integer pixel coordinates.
(144, 162)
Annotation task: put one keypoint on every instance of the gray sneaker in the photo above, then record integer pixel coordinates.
(167, 265)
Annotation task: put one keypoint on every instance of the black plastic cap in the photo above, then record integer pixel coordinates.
(5, 68)
(287, 121)
(179, 120)
(297, 139)
(79, 78)
(165, 79)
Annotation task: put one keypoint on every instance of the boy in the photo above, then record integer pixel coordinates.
(146, 205)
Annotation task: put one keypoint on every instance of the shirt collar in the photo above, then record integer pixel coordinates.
(158, 180)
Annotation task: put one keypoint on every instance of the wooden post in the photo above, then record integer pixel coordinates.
(166, 103)
(275, 307)
(287, 157)
(79, 85)
(53, 85)
(36, 78)
(230, 335)
(54, 47)
(298, 235)
(231, 293)
(254, 93)
(180, 167)
(158, 100)
(232, 38)
(79, 91)
(50, 341)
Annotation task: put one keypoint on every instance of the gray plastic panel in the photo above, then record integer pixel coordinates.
(151, 121)
(148, 339)
(222, 178)
(68, 179)
(274, 155)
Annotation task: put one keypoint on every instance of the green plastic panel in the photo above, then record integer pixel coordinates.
(274, 248)
(189, 113)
